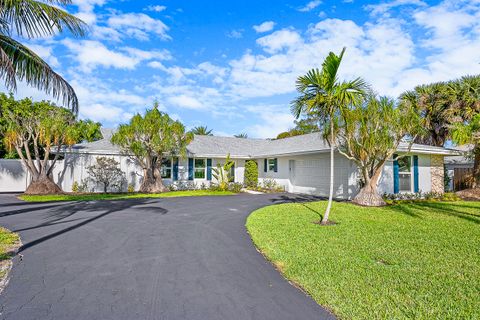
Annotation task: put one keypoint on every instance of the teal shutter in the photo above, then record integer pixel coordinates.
(175, 169)
(415, 174)
(396, 179)
(209, 169)
(265, 165)
(190, 168)
(275, 165)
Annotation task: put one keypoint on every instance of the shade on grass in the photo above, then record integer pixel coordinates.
(121, 196)
(417, 260)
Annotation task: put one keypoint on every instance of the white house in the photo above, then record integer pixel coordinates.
(300, 164)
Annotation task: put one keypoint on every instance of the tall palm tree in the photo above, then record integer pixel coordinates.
(324, 95)
(32, 19)
(202, 131)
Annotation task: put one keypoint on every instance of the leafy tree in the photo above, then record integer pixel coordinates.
(107, 172)
(149, 139)
(308, 124)
(369, 134)
(323, 95)
(34, 19)
(251, 173)
(469, 132)
(36, 130)
(222, 173)
(202, 131)
(242, 135)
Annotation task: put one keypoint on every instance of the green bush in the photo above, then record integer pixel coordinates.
(75, 186)
(251, 173)
(130, 188)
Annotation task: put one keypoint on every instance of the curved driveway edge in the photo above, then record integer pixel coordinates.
(171, 258)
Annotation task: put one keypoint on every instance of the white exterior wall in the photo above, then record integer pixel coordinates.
(309, 174)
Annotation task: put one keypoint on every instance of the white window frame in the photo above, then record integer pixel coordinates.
(272, 168)
(166, 167)
(410, 173)
(204, 168)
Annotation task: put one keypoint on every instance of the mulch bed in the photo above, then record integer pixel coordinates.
(469, 194)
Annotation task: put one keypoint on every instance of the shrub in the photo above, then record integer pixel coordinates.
(419, 196)
(75, 186)
(251, 174)
(235, 187)
(130, 188)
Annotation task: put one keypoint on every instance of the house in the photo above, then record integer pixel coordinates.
(459, 169)
(300, 164)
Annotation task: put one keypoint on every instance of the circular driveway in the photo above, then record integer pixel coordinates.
(175, 258)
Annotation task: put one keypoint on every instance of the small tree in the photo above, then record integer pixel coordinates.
(242, 135)
(222, 173)
(36, 130)
(107, 172)
(149, 139)
(202, 131)
(369, 134)
(251, 173)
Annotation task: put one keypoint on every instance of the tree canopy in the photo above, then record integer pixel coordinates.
(202, 131)
(149, 139)
(38, 132)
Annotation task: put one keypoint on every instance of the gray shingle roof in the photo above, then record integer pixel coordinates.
(213, 146)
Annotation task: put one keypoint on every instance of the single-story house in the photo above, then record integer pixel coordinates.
(300, 164)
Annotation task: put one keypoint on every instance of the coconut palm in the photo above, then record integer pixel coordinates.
(322, 94)
(33, 19)
(202, 131)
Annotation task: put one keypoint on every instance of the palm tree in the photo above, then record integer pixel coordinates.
(33, 19)
(322, 94)
(242, 135)
(202, 131)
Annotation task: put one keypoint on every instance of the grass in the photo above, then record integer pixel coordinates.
(410, 260)
(8, 241)
(121, 196)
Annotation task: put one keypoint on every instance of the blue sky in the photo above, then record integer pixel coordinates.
(232, 65)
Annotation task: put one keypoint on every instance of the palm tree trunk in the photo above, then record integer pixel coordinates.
(330, 196)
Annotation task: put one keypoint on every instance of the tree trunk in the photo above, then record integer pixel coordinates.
(152, 181)
(330, 196)
(368, 195)
(42, 184)
(476, 168)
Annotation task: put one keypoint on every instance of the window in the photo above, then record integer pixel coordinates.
(166, 169)
(271, 164)
(405, 174)
(200, 168)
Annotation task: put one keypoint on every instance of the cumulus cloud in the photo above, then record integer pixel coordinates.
(91, 54)
(264, 27)
(282, 39)
(384, 7)
(235, 34)
(184, 101)
(138, 25)
(310, 6)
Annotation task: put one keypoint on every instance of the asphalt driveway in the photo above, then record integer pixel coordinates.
(176, 258)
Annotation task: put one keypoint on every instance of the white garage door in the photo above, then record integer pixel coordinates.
(312, 175)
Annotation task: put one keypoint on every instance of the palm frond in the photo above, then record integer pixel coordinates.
(30, 68)
(30, 18)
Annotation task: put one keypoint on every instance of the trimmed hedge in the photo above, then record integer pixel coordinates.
(251, 173)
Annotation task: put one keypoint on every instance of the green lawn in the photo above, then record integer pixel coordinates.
(412, 260)
(121, 196)
(8, 240)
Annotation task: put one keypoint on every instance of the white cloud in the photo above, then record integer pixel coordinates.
(46, 53)
(310, 6)
(156, 8)
(91, 54)
(138, 25)
(279, 40)
(275, 119)
(264, 27)
(235, 34)
(384, 7)
(187, 102)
